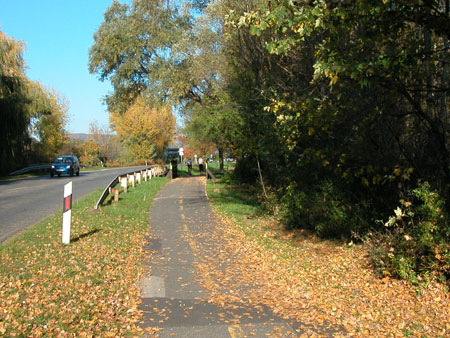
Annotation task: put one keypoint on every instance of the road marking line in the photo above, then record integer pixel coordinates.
(235, 331)
(182, 216)
(181, 201)
(186, 228)
(181, 207)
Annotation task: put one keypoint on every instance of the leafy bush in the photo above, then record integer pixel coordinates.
(417, 239)
(294, 207)
(245, 170)
(324, 209)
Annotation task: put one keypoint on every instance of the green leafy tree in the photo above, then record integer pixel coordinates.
(213, 123)
(34, 117)
(13, 104)
(364, 105)
(156, 50)
(360, 102)
(133, 49)
(211, 117)
(48, 121)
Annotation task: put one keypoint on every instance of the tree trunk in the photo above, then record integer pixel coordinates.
(444, 79)
(261, 178)
(221, 159)
(428, 75)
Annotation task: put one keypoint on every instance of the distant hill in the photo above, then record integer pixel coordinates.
(79, 136)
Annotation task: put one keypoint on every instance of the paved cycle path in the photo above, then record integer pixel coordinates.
(173, 299)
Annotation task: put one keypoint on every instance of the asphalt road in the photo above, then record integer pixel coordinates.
(24, 202)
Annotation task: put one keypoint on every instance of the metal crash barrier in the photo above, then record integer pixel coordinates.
(125, 180)
(44, 166)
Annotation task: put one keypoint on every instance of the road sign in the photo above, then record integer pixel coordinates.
(181, 151)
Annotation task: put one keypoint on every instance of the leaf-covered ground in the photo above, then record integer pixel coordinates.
(85, 289)
(317, 282)
(90, 288)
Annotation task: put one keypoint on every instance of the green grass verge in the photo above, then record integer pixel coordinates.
(183, 171)
(213, 166)
(238, 202)
(87, 287)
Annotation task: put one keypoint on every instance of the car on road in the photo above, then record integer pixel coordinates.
(65, 165)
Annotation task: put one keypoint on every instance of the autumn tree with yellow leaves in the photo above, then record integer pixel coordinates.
(144, 129)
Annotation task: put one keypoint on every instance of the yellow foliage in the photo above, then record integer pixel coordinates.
(144, 129)
(365, 181)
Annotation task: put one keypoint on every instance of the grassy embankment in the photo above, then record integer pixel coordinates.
(322, 282)
(84, 289)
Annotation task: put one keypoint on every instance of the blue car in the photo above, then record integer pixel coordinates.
(65, 165)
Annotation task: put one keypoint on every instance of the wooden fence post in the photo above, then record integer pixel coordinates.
(115, 192)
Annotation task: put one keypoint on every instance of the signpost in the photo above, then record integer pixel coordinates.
(67, 213)
(181, 153)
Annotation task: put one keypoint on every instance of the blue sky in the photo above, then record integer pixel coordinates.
(58, 34)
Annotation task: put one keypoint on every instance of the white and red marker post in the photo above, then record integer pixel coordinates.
(67, 213)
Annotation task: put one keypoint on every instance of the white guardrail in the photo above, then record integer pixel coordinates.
(131, 178)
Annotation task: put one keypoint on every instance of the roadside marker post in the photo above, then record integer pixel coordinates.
(144, 175)
(131, 179)
(138, 178)
(67, 213)
(124, 183)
